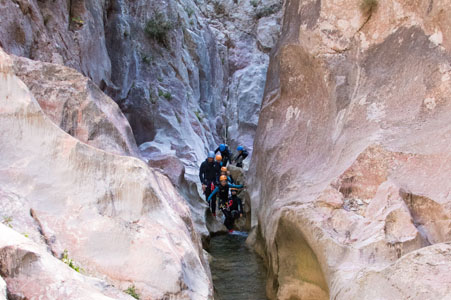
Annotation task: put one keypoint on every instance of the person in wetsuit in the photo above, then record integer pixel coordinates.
(242, 154)
(227, 173)
(225, 153)
(223, 193)
(208, 175)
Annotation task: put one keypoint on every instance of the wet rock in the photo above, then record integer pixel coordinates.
(106, 210)
(354, 105)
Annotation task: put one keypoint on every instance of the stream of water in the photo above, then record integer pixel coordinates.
(238, 273)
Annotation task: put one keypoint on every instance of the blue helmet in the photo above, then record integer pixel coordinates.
(211, 154)
(222, 147)
(240, 148)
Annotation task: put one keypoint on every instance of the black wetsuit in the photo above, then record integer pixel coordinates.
(208, 174)
(226, 156)
(223, 193)
(240, 157)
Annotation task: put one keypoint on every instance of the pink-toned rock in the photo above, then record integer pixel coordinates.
(357, 103)
(78, 106)
(108, 211)
(32, 273)
(2, 289)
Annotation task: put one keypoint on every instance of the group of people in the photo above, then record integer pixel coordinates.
(217, 183)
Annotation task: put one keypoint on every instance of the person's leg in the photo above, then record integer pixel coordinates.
(227, 221)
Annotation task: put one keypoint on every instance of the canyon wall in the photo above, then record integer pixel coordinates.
(111, 216)
(186, 74)
(349, 177)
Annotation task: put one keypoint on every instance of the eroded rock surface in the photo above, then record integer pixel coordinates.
(351, 171)
(200, 82)
(2, 289)
(77, 106)
(33, 273)
(118, 218)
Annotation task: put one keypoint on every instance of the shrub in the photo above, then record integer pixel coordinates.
(368, 6)
(7, 221)
(68, 261)
(254, 3)
(132, 292)
(78, 20)
(198, 115)
(189, 11)
(167, 96)
(146, 59)
(158, 28)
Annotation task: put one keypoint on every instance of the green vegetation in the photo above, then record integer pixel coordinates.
(7, 221)
(158, 29)
(146, 59)
(267, 11)
(189, 11)
(78, 20)
(254, 3)
(198, 115)
(68, 261)
(368, 6)
(167, 96)
(132, 292)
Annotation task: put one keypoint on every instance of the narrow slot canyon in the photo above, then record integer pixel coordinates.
(112, 114)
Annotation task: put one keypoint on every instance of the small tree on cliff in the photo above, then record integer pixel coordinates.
(158, 28)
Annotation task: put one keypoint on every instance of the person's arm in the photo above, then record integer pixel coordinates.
(240, 186)
(202, 173)
(230, 179)
(217, 149)
(213, 193)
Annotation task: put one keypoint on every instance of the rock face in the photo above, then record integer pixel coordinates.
(118, 218)
(187, 74)
(2, 289)
(350, 175)
(77, 106)
(26, 264)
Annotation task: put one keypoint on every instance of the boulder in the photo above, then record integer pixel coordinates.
(31, 272)
(108, 211)
(351, 172)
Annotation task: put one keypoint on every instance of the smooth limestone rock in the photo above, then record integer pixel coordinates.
(352, 166)
(118, 218)
(2, 289)
(78, 106)
(32, 273)
(199, 84)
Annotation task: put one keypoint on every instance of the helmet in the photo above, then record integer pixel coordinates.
(222, 147)
(240, 148)
(223, 169)
(222, 178)
(234, 189)
(211, 154)
(218, 157)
